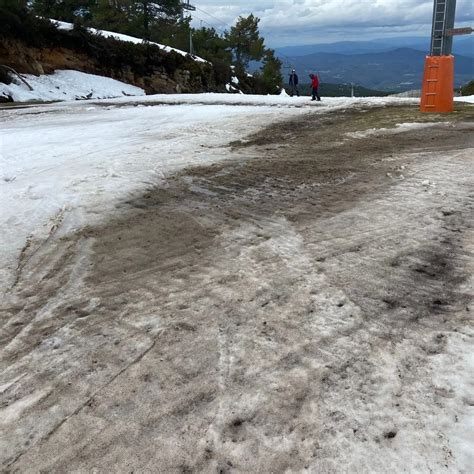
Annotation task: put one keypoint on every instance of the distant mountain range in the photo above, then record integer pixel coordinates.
(391, 64)
(463, 45)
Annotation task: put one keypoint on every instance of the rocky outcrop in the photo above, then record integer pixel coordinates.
(189, 76)
(15, 55)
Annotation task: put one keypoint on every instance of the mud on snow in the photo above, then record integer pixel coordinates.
(303, 306)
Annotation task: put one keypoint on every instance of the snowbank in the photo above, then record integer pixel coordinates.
(467, 98)
(281, 100)
(62, 25)
(68, 85)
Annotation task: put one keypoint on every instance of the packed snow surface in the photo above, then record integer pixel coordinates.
(77, 159)
(67, 85)
(68, 166)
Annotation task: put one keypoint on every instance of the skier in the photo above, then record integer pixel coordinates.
(314, 86)
(294, 84)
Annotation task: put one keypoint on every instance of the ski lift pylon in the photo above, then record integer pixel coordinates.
(185, 5)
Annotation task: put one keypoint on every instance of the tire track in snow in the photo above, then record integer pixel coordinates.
(311, 361)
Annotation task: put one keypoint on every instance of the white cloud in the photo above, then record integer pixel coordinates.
(300, 20)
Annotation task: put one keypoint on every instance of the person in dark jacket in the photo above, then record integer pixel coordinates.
(314, 86)
(294, 84)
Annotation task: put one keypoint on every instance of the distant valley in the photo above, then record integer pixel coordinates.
(387, 65)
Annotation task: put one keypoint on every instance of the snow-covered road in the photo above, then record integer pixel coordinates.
(298, 301)
(73, 161)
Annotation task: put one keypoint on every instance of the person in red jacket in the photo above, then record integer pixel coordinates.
(314, 86)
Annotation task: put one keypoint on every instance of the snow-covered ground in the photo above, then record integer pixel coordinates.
(69, 165)
(66, 85)
(74, 161)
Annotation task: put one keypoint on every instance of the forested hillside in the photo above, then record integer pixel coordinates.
(164, 22)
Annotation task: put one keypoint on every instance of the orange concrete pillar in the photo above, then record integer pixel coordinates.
(438, 84)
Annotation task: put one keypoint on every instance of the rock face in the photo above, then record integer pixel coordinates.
(20, 58)
(189, 76)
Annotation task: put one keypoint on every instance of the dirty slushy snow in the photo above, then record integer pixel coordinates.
(298, 301)
(71, 162)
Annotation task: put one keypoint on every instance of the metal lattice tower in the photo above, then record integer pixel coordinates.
(443, 20)
(438, 78)
(186, 6)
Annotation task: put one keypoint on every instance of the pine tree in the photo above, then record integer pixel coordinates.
(271, 72)
(209, 45)
(136, 17)
(245, 41)
(148, 13)
(112, 15)
(171, 32)
(13, 5)
(65, 10)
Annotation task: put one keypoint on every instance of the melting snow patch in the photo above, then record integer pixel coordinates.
(399, 128)
(230, 88)
(68, 85)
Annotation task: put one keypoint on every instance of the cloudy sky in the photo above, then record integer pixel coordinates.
(293, 22)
